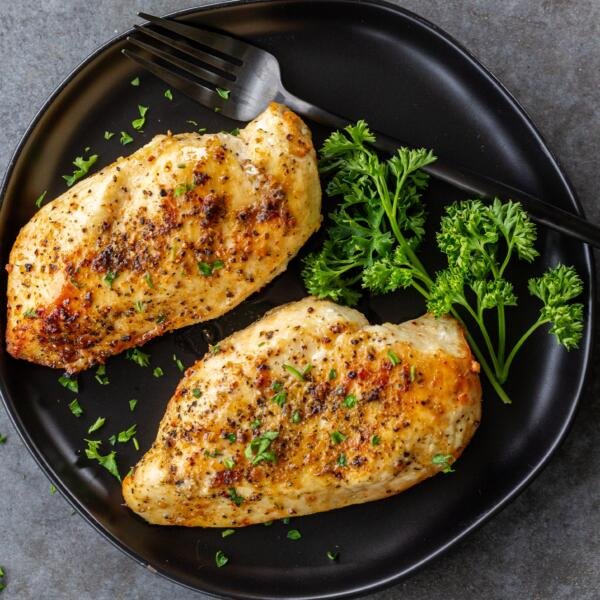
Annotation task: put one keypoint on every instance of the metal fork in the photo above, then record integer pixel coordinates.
(238, 80)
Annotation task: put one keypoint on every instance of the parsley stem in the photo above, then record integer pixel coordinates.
(482, 361)
(501, 337)
(478, 318)
(506, 367)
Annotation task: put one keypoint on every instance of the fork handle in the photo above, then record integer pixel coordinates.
(464, 179)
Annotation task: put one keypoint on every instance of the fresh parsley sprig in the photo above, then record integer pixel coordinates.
(379, 224)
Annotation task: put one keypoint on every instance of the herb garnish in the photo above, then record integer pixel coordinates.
(110, 277)
(214, 349)
(108, 461)
(227, 533)
(30, 313)
(296, 417)
(231, 437)
(281, 395)
(337, 437)
(135, 82)
(376, 232)
(444, 460)
(350, 401)
(158, 372)
(375, 440)
(3, 439)
(393, 357)
(229, 463)
(413, 373)
(235, 497)
(258, 449)
(181, 189)
(197, 392)
(132, 404)
(70, 384)
(108, 135)
(125, 138)
(301, 375)
(342, 461)
(137, 124)
(293, 534)
(148, 280)
(101, 377)
(52, 489)
(83, 167)
(99, 422)
(332, 374)
(168, 94)
(125, 436)
(208, 268)
(75, 408)
(331, 555)
(223, 93)
(40, 198)
(178, 363)
(221, 559)
(139, 306)
(137, 356)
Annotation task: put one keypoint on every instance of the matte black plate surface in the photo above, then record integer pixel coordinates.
(405, 77)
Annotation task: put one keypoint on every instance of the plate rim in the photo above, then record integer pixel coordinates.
(587, 349)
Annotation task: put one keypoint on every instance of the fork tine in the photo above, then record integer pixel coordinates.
(209, 60)
(193, 89)
(188, 67)
(231, 49)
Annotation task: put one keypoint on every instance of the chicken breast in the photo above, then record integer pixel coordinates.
(179, 232)
(307, 410)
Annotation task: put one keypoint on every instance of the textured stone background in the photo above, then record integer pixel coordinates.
(546, 544)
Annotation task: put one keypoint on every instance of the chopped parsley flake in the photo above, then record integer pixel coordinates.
(137, 356)
(135, 444)
(132, 404)
(40, 198)
(235, 132)
(97, 424)
(235, 497)
(139, 306)
(192, 122)
(279, 398)
(110, 277)
(293, 534)
(125, 138)
(158, 372)
(148, 280)
(168, 94)
(125, 436)
(70, 384)
(227, 533)
(221, 559)
(255, 424)
(231, 437)
(161, 318)
(296, 417)
(135, 82)
(83, 167)
(331, 555)
(112, 440)
(30, 313)
(215, 349)
(268, 523)
(337, 437)
(350, 401)
(108, 461)
(75, 408)
(178, 363)
(223, 93)
(258, 449)
(342, 461)
(297, 373)
(375, 440)
(229, 463)
(3, 439)
(286, 521)
(101, 376)
(137, 124)
(182, 188)
(52, 489)
(393, 357)
(413, 373)
(332, 374)
(108, 135)
(444, 461)
(208, 268)
(197, 393)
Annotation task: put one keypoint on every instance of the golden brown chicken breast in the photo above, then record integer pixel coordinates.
(179, 232)
(308, 409)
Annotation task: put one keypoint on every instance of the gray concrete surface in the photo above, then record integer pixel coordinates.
(546, 544)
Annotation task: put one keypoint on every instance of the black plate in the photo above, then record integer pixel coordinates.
(406, 77)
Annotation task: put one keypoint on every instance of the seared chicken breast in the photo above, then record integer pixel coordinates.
(307, 410)
(179, 232)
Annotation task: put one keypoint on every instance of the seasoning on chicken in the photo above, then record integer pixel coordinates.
(307, 410)
(179, 232)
